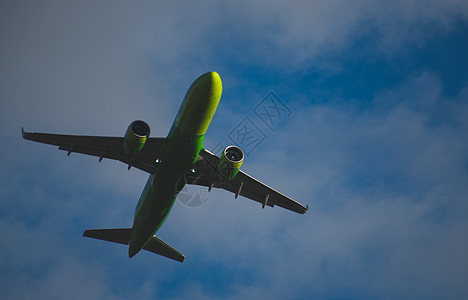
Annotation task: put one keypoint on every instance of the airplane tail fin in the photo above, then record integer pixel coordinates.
(123, 235)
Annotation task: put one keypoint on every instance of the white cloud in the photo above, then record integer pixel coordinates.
(386, 186)
(66, 62)
(386, 190)
(407, 213)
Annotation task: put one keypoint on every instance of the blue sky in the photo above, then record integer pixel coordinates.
(376, 144)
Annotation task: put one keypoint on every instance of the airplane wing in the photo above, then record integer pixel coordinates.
(104, 147)
(242, 184)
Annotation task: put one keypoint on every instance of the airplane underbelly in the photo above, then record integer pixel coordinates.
(154, 207)
(162, 188)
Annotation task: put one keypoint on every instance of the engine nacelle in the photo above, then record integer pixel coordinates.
(230, 162)
(135, 137)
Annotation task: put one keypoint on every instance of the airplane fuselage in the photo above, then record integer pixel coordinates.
(172, 162)
(183, 144)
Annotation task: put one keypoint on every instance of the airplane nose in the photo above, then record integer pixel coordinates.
(209, 75)
(200, 104)
(208, 87)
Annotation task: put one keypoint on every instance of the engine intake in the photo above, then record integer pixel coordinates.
(135, 137)
(230, 162)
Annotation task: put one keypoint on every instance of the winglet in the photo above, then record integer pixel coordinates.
(26, 135)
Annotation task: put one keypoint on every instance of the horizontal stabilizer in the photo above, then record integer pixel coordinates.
(123, 235)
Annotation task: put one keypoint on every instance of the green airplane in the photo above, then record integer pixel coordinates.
(171, 162)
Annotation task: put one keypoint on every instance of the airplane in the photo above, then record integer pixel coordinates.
(172, 162)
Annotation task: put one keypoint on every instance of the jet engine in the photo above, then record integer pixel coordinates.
(135, 137)
(230, 162)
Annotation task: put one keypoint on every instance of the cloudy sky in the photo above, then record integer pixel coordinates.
(375, 142)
